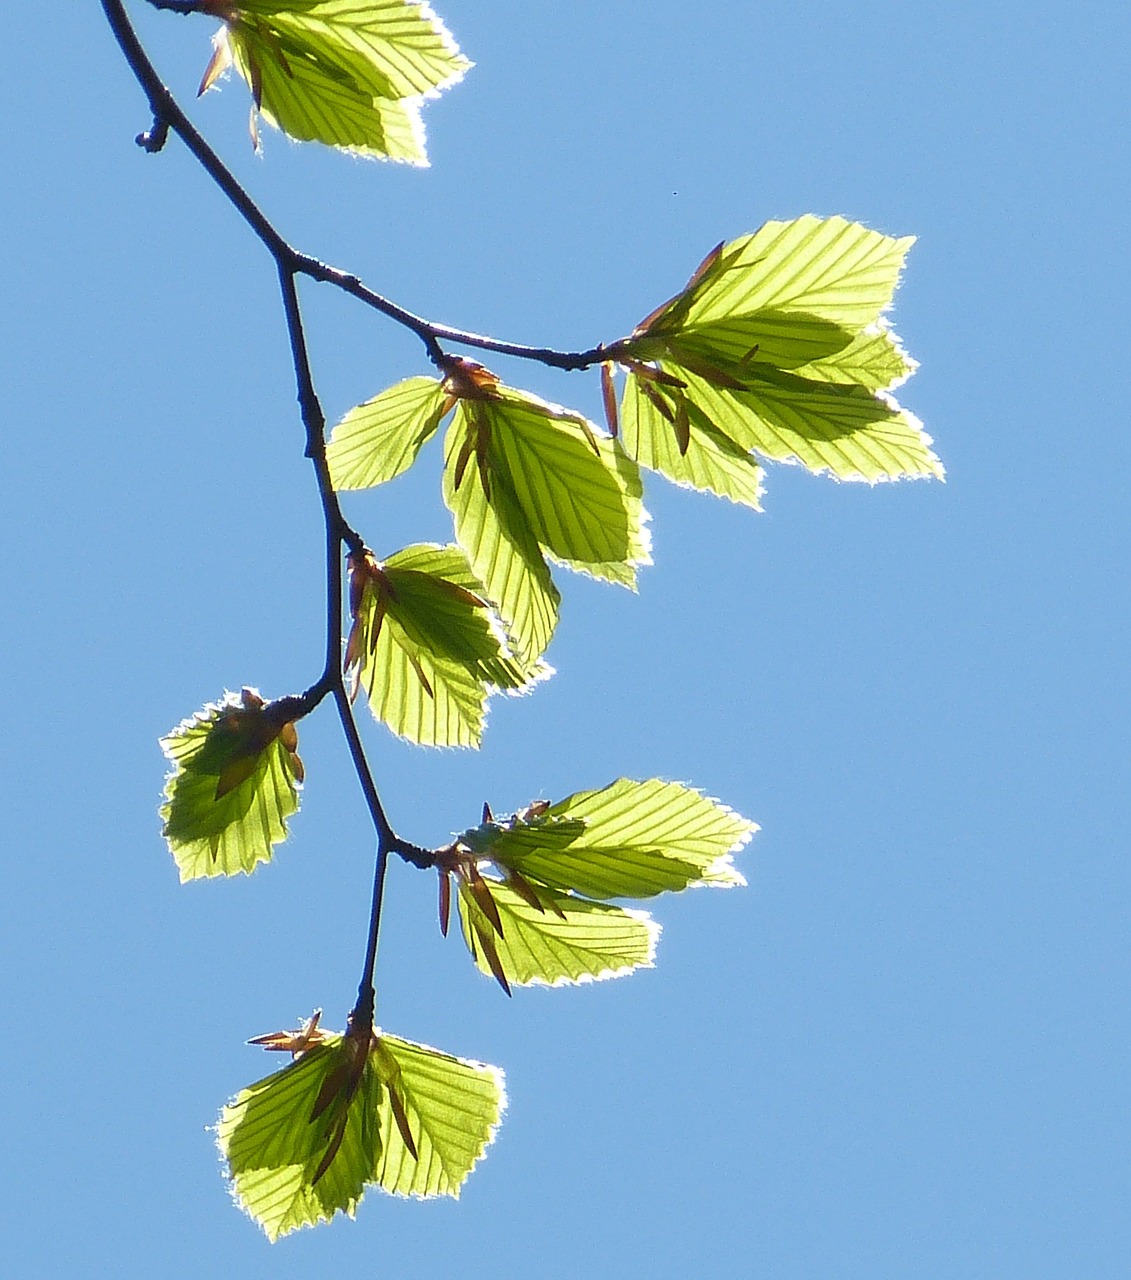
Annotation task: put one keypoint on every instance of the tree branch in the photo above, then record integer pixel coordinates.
(168, 115)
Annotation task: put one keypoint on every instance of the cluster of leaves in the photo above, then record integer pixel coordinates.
(235, 782)
(534, 899)
(525, 480)
(348, 73)
(777, 349)
(352, 1111)
(541, 913)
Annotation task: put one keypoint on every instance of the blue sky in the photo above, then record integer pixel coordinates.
(903, 1050)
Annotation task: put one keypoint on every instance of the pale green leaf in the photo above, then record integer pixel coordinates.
(504, 554)
(636, 839)
(809, 269)
(348, 73)
(592, 942)
(712, 462)
(379, 439)
(313, 105)
(875, 359)
(388, 48)
(524, 477)
(453, 1107)
(428, 648)
(580, 495)
(847, 430)
(442, 603)
(290, 1168)
(274, 1148)
(233, 785)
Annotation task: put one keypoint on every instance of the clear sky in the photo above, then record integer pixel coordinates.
(903, 1050)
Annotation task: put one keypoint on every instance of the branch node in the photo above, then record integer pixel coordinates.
(423, 859)
(155, 137)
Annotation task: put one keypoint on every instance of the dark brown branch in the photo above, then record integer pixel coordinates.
(290, 263)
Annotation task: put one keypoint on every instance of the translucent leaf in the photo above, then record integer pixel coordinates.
(580, 495)
(635, 839)
(875, 359)
(315, 107)
(712, 462)
(799, 276)
(524, 477)
(427, 646)
(453, 1107)
(379, 439)
(234, 783)
(845, 429)
(570, 940)
(503, 552)
(349, 73)
(274, 1147)
(303, 1144)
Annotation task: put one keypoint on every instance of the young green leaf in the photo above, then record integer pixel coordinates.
(777, 347)
(789, 275)
(234, 783)
(275, 1139)
(633, 840)
(848, 430)
(348, 73)
(302, 1144)
(524, 477)
(427, 647)
(451, 1107)
(561, 940)
(711, 462)
(379, 439)
(503, 552)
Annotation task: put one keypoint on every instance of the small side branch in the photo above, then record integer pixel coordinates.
(155, 137)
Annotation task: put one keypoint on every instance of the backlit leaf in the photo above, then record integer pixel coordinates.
(793, 273)
(427, 647)
(348, 73)
(633, 840)
(712, 462)
(303, 1144)
(580, 496)
(379, 439)
(233, 785)
(848, 430)
(503, 552)
(524, 477)
(274, 1148)
(570, 940)
(453, 1107)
